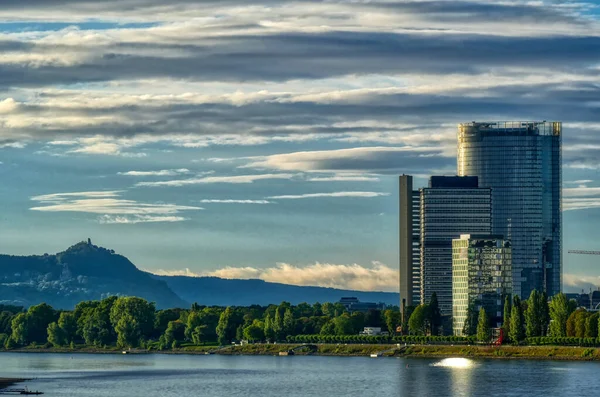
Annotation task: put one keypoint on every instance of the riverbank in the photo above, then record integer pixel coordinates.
(354, 350)
(8, 382)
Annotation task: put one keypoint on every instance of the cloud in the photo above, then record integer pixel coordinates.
(577, 282)
(381, 159)
(110, 206)
(334, 194)
(233, 201)
(216, 179)
(343, 178)
(156, 173)
(377, 277)
(119, 219)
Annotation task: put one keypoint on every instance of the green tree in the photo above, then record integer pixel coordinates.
(392, 320)
(416, 322)
(20, 329)
(328, 309)
(38, 319)
(174, 334)
(570, 327)
(328, 328)
(470, 326)
(358, 322)
(128, 331)
(591, 326)
(68, 324)
(268, 329)
(288, 322)
(56, 335)
(559, 313)
(226, 327)
(343, 325)
(254, 333)
(194, 320)
(533, 321)
(434, 315)
(484, 332)
(163, 317)
(506, 317)
(517, 333)
(138, 309)
(373, 318)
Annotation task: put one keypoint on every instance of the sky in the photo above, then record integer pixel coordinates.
(263, 139)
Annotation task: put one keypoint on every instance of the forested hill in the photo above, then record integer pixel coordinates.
(82, 272)
(223, 292)
(88, 272)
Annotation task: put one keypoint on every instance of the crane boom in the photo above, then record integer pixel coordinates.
(582, 252)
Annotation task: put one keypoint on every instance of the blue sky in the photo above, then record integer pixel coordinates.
(264, 139)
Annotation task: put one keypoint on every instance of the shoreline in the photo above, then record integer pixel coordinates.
(556, 353)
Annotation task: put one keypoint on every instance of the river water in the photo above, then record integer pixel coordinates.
(265, 376)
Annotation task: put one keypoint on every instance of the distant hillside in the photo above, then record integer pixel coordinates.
(216, 291)
(82, 272)
(88, 272)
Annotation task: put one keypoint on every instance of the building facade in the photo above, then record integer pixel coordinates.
(481, 277)
(449, 207)
(521, 163)
(410, 227)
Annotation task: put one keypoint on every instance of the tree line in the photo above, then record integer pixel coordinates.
(134, 322)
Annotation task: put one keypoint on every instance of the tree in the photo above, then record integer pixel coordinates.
(343, 325)
(56, 335)
(226, 327)
(254, 333)
(358, 322)
(197, 335)
(20, 329)
(128, 331)
(570, 326)
(174, 334)
(138, 309)
(328, 328)
(470, 327)
(194, 320)
(268, 329)
(416, 322)
(288, 322)
(373, 318)
(328, 309)
(434, 314)
(392, 320)
(38, 319)
(559, 313)
(591, 326)
(517, 333)
(278, 324)
(484, 332)
(68, 324)
(533, 322)
(506, 318)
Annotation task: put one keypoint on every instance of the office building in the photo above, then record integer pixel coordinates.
(521, 163)
(481, 277)
(410, 263)
(449, 207)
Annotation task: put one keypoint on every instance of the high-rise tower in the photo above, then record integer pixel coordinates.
(521, 162)
(410, 263)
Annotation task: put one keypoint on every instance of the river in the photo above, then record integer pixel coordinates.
(265, 376)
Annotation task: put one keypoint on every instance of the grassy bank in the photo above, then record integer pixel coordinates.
(424, 351)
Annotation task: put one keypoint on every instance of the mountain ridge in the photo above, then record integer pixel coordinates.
(86, 271)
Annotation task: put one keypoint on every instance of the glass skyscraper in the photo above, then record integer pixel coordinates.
(521, 162)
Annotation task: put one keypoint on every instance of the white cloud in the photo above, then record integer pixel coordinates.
(216, 179)
(577, 282)
(344, 178)
(111, 208)
(331, 160)
(121, 219)
(377, 277)
(335, 194)
(156, 173)
(232, 201)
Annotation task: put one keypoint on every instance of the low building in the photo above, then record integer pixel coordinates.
(481, 277)
(373, 331)
(352, 304)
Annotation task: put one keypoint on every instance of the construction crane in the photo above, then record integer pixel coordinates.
(582, 252)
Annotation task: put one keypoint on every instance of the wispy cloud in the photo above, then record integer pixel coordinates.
(156, 173)
(334, 194)
(343, 178)
(578, 282)
(216, 179)
(377, 277)
(233, 201)
(111, 207)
